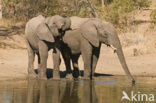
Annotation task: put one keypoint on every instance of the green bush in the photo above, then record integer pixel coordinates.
(143, 3)
(116, 12)
(153, 16)
(117, 9)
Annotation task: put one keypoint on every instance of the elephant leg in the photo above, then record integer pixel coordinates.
(66, 58)
(31, 57)
(95, 58)
(43, 51)
(56, 62)
(39, 62)
(86, 55)
(76, 72)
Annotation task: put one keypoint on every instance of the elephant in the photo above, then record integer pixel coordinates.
(87, 41)
(43, 34)
(77, 21)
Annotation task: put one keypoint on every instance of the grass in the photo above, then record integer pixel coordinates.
(153, 16)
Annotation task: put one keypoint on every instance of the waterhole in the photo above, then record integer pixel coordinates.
(100, 90)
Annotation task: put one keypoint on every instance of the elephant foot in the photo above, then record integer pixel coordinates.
(69, 76)
(32, 75)
(56, 75)
(42, 76)
(86, 78)
(79, 78)
(56, 78)
(76, 73)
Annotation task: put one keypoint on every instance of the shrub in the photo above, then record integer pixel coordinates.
(116, 12)
(143, 3)
(153, 16)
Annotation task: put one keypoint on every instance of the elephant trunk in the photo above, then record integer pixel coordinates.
(121, 57)
(114, 42)
(67, 24)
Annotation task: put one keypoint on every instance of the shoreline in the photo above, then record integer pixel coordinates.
(13, 64)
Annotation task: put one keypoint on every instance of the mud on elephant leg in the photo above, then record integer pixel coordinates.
(31, 57)
(76, 71)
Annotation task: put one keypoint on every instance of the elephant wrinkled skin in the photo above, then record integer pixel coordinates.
(87, 41)
(43, 34)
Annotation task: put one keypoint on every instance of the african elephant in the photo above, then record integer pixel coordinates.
(77, 21)
(87, 41)
(43, 34)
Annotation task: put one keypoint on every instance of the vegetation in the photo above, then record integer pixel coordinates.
(115, 11)
(153, 16)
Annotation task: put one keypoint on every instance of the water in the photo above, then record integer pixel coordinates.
(101, 90)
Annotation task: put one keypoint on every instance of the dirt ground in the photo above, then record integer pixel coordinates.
(13, 63)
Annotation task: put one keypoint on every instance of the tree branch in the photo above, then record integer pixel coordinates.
(94, 13)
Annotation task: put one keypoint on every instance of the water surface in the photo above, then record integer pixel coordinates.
(100, 90)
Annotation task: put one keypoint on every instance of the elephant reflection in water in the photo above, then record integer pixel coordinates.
(89, 94)
(31, 97)
(61, 92)
(30, 91)
(72, 93)
(33, 93)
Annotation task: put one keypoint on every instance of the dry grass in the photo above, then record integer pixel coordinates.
(141, 40)
(6, 22)
(10, 34)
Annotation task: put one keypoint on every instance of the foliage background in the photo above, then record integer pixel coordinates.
(114, 11)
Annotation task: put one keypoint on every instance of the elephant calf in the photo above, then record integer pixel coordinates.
(43, 34)
(87, 41)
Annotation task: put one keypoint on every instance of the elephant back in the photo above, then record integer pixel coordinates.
(33, 23)
(77, 21)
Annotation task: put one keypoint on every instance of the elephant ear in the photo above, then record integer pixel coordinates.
(44, 33)
(90, 33)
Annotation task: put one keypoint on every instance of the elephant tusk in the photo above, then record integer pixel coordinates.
(115, 49)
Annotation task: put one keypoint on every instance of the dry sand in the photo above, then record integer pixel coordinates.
(13, 64)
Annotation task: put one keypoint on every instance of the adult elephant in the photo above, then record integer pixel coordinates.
(77, 21)
(87, 41)
(43, 34)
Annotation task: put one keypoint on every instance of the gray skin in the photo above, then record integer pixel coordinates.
(87, 41)
(77, 21)
(43, 34)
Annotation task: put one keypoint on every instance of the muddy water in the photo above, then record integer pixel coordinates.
(101, 90)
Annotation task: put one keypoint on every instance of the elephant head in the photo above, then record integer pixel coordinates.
(51, 27)
(67, 23)
(97, 31)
